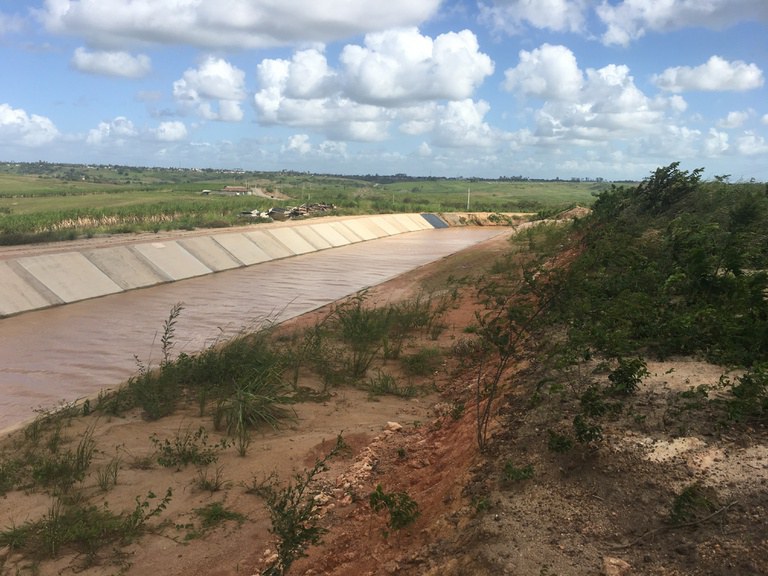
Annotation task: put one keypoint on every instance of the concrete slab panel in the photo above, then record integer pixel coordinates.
(345, 231)
(413, 222)
(125, 268)
(242, 248)
(69, 275)
(361, 227)
(290, 238)
(310, 235)
(18, 295)
(420, 221)
(435, 221)
(387, 225)
(330, 234)
(269, 244)
(210, 253)
(171, 259)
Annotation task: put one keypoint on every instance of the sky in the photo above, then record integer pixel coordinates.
(457, 88)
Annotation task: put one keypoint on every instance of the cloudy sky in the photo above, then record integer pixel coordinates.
(540, 88)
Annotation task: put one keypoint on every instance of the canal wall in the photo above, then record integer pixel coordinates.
(31, 281)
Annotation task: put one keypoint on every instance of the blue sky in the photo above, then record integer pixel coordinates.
(539, 88)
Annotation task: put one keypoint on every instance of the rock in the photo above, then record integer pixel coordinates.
(615, 567)
(393, 426)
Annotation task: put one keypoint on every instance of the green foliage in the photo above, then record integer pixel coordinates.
(627, 377)
(187, 447)
(748, 399)
(691, 503)
(558, 443)
(512, 474)
(293, 512)
(402, 509)
(424, 362)
(258, 401)
(211, 482)
(82, 528)
(363, 329)
(60, 470)
(385, 384)
(675, 266)
(213, 514)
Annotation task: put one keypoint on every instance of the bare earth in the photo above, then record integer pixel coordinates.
(583, 513)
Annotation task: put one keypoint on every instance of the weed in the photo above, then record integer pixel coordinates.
(559, 443)
(693, 501)
(107, 476)
(214, 514)
(402, 509)
(425, 362)
(481, 503)
(383, 384)
(457, 410)
(187, 447)
(293, 513)
(212, 483)
(258, 401)
(363, 329)
(628, 376)
(586, 431)
(749, 396)
(512, 474)
(60, 470)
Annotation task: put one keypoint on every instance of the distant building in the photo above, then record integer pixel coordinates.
(229, 191)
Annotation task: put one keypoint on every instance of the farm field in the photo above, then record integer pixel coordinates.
(47, 202)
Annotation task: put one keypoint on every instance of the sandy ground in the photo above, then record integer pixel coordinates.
(600, 511)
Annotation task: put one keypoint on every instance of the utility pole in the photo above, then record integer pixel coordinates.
(468, 193)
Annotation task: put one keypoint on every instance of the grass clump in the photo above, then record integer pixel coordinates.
(383, 384)
(187, 447)
(85, 529)
(214, 514)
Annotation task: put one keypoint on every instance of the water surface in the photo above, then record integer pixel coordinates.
(74, 351)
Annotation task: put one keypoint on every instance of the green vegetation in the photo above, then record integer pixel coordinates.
(187, 447)
(674, 266)
(41, 202)
(402, 510)
(83, 528)
(294, 513)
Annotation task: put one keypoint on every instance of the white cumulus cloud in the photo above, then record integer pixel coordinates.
(215, 80)
(512, 15)
(30, 130)
(171, 131)
(403, 66)
(734, 119)
(111, 63)
(548, 72)
(716, 143)
(115, 132)
(462, 124)
(586, 107)
(298, 143)
(228, 23)
(716, 75)
(394, 77)
(751, 144)
(629, 20)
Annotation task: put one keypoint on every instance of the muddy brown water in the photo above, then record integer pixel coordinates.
(74, 351)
